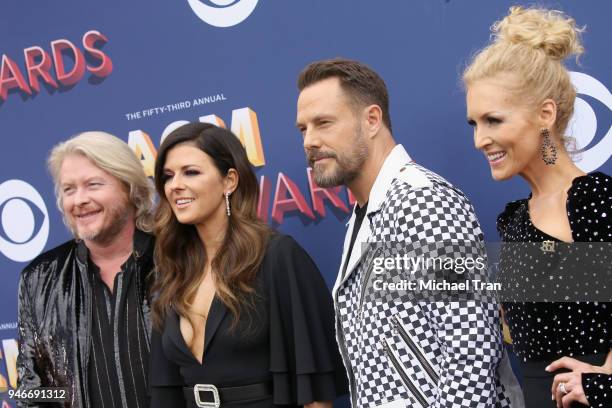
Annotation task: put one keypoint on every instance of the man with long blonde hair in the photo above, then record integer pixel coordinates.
(84, 305)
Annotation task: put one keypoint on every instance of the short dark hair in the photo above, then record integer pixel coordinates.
(356, 78)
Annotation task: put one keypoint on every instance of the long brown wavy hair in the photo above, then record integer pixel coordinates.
(180, 254)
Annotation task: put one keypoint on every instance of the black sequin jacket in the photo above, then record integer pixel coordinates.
(54, 315)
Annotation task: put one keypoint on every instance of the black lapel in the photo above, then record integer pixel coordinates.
(173, 331)
(215, 316)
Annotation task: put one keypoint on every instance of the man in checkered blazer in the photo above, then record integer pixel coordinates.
(401, 349)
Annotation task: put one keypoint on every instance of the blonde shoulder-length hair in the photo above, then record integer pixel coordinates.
(114, 156)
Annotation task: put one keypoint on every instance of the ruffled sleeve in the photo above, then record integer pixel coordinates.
(304, 359)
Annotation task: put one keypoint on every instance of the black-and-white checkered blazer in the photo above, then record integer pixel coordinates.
(402, 352)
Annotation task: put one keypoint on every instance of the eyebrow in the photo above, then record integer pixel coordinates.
(485, 114)
(87, 180)
(317, 118)
(186, 166)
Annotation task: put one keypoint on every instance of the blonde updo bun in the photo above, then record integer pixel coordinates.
(548, 30)
(530, 44)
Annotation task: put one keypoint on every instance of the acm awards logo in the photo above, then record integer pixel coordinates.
(279, 194)
(583, 125)
(223, 13)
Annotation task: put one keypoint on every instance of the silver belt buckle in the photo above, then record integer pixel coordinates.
(210, 388)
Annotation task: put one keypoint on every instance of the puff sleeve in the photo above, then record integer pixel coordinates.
(304, 359)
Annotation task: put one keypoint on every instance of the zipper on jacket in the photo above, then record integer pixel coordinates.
(344, 353)
(423, 361)
(141, 294)
(364, 283)
(414, 390)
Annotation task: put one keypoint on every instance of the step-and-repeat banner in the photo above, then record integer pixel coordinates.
(140, 69)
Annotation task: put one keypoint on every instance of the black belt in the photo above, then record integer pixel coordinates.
(207, 395)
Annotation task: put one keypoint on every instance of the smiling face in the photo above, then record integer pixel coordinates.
(94, 202)
(193, 185)
(505, 130)
(334, 141)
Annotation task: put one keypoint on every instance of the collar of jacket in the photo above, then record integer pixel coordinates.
(392, 166)
(388, 172)
(143, 244)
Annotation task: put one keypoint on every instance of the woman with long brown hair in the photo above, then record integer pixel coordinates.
(242, 315)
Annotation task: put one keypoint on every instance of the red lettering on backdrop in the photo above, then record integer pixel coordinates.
(39, 63)
(38, 69)
(351, 197)
(11, 77)
(282, 203)
(106, 66)
(319, 194)
(78, 70)
(263, 204)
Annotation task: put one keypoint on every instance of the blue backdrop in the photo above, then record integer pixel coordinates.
(136, 68)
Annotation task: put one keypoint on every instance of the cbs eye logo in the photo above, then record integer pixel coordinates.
(24, 221)
(583, 124)
(223, 13)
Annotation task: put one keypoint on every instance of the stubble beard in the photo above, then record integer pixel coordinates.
(348, 165)
(119, 216)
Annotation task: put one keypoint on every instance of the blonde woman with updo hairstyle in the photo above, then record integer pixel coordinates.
(519, 101)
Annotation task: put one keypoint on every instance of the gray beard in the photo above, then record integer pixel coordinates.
(120, 218)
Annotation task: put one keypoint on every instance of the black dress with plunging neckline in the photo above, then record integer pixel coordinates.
(286, 338)
(545, 331)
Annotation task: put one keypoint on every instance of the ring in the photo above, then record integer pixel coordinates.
(562, 388)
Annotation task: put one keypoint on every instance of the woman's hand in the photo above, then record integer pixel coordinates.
(571, 390)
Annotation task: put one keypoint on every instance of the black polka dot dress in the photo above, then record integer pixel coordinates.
(546, 331)
(597, 388)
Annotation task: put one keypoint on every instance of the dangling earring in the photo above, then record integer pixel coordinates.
(227, 204)
(548, 149)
